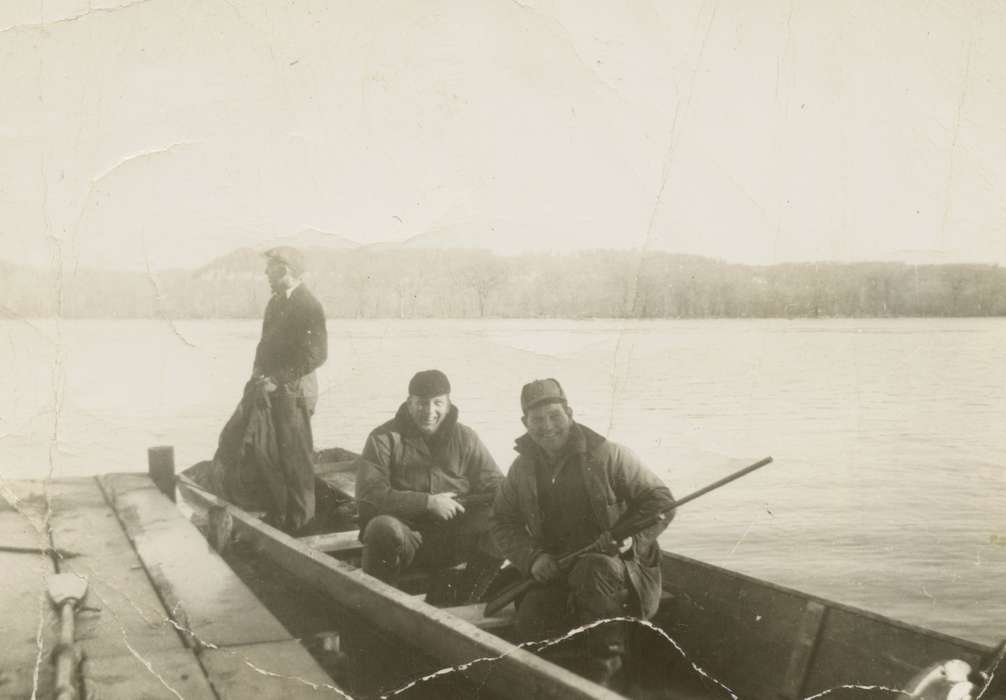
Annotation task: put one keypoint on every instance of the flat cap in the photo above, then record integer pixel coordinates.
(429, 383)
(541, 391)
(289, 256)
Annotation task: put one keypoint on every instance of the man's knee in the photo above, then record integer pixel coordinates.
(599, 584)
(384, 532)
(598, 572)
(387, 548)
(541, 613)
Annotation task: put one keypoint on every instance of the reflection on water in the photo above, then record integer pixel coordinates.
(887, 490)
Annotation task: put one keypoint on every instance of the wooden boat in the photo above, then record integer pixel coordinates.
(718, 634)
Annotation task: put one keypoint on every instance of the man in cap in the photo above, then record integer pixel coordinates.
(566, 489)
(417, 473)
(294, 344)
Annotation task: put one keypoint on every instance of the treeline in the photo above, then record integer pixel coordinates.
(371, 283)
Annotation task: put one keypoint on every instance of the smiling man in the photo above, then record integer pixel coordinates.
(565, 491)
(425, 485)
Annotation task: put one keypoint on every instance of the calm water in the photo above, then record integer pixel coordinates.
(889, 484)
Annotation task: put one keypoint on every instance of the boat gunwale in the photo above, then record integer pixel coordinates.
(971, 645)
(550, 680)
(668, 561)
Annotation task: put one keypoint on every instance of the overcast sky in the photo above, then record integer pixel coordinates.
(167, 132)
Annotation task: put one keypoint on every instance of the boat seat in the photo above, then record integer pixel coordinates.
(347, 542)
(505, 618)
(473, 613)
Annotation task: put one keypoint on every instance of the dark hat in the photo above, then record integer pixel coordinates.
(541, 391)
(429, 383)
(289, 256)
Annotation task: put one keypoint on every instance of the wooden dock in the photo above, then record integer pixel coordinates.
(164, 616)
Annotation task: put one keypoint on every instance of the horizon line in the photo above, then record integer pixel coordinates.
(380, 248)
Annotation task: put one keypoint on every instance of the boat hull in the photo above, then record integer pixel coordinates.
(718, 634)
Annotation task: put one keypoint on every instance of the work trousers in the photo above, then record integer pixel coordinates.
(596, 588)
(391, 545)
(293, 492)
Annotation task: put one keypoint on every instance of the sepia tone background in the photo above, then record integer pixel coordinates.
(731, 228)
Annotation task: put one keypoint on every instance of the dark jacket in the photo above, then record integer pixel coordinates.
(401, 468)
(616, 483)
(294, 341)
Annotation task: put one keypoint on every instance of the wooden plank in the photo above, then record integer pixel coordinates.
(25, 613)
(513, 672)
(473, 614)
(26, 497)
(196, 586)
(16, 530)
(122, 613)
(334, 542)
(803, 650)
(274, 670)
(159, 675)
(29, 625)
(27, 619)
(225, 666)
(20, 683)
(855, 648)
(673, 562)
(739, 629)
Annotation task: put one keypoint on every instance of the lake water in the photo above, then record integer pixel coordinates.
(888, 489)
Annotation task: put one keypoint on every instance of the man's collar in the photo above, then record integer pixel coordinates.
(577, 443)
(287, 293)
(291, 289)
(407, 426)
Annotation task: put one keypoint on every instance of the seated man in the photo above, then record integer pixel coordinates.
(418, 471)
(566, 489)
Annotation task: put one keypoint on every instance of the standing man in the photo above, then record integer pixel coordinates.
(566, 490)
(294, 344)
(419, 470)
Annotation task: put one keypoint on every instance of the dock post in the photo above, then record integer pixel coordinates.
(161, 467)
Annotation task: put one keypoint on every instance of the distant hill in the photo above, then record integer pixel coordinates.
(243, 263)
(313, 238)
(421, 279)
(454, 236)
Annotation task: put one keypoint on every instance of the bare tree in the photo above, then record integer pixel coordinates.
(486, 274)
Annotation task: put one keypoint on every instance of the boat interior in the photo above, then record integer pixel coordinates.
(718, 633)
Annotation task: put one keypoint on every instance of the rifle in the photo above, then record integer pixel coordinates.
(622, 529)
(474, 500)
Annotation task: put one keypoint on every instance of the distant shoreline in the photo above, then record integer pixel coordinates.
(463, 284)
(491, 319)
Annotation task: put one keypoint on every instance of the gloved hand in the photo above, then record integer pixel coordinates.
(260, 389)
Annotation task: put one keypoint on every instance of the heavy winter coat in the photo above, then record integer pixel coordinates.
(616, 483)
(401, 468)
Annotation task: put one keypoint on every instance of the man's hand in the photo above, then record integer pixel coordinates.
(605, 545)
(264, 383)
(443, 505)
(261, 387)
(545, 568)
